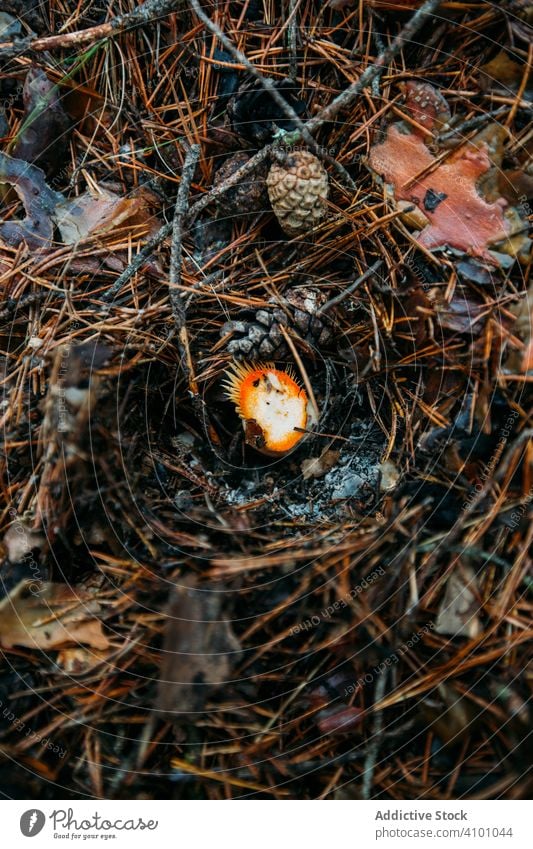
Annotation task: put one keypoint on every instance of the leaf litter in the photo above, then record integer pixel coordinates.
(210, 606)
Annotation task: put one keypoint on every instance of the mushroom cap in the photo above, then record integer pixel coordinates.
(274, 408)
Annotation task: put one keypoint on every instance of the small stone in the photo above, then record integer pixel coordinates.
(349, 487)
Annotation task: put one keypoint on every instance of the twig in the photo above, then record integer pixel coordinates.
(292, 38)
(197, 207)
(352, 92)
(375, 741)
(471, 124)
(270, 88)
(244, 171)
(178, 307)
(182, 205)
(381, 47)
(140, 16)
(12, 305)
(137, 262)
(176, 252)
(349, 289)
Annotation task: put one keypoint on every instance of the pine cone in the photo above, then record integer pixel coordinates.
(298, 191)
(258, 336)
(247, 197)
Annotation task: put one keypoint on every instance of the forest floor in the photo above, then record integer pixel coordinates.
(186, 616)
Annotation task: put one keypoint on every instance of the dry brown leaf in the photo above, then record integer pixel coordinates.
(97, 213)
(458, 612)
(93, 213)
(521, 360)
(501, 73)
(43, 137)
(56, 616)
(39, 200)
(316, 467)
(199, 649)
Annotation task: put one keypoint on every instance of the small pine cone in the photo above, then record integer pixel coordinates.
(258, 336)
(248, 196)
(298, 192)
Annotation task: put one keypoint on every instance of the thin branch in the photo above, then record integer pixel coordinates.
(270, 88)
(176, 299)
(292, 38)
(344, 100)
(140, 16)
(375, 740)
(182, 205)
(137, 262)
(333, 302)
(197, 207)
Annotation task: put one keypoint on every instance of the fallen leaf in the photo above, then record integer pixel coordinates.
(502, 73)
(39, 200)
(460, 314)
(458, 612)
(476, 272)
(340, 719)
(463, 219)
(57, 615)
(30, 12)
(99, 212)
(451, 715)
(316, 467)
(9, 26)
(21, 539)
(42, 138)
(426, 105)
(520, 360)
(95, 213)
(449, 195)
(199, 648)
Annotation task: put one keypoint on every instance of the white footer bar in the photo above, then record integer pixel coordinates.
(258, 825)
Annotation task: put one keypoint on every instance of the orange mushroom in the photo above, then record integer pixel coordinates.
(274, 408)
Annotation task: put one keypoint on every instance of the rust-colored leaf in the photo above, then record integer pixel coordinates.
(462, 219)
